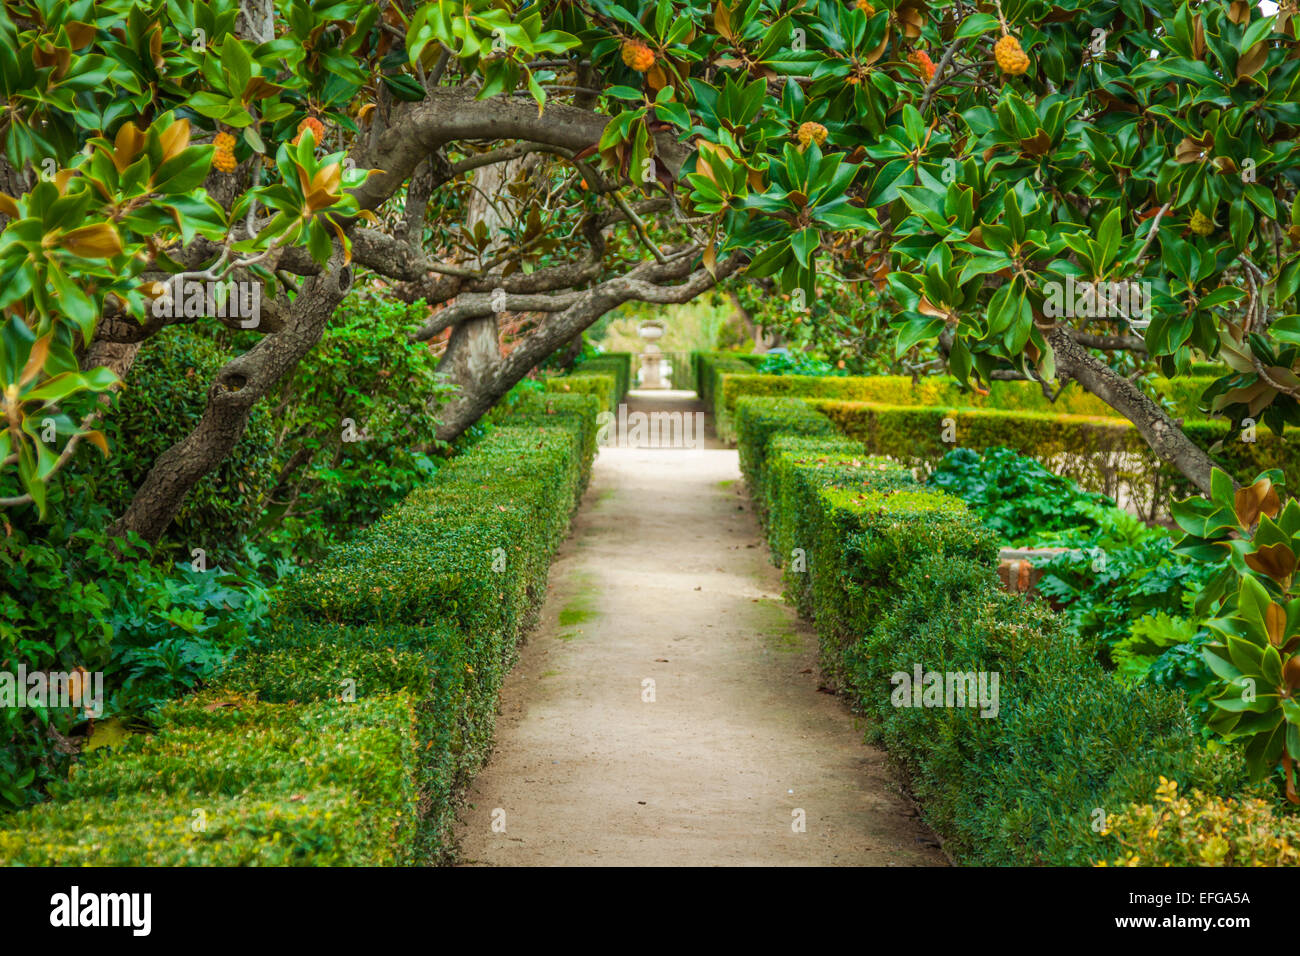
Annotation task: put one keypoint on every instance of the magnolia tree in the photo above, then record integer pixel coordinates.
(1022, 184)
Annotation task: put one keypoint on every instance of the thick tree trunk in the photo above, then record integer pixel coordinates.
(471, 361)
(1158, 429)
(474, 350)
(239, 384)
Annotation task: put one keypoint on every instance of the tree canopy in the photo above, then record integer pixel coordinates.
(956, 164)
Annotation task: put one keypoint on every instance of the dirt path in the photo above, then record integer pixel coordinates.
(665, 578)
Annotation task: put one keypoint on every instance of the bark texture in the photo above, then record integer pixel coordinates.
(1158, 429)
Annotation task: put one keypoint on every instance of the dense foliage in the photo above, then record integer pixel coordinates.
(369, 695)
(900, 578)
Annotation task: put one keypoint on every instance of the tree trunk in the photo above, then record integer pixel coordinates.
(474, 350)
(1158, 429)
(240, 383)
(471, 361)
(561, 327)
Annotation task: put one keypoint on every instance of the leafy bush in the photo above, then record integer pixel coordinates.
(1202, 830)
(164, 399)
(73, 598)
(355, 427)
(576, 414)
(1013, 495)
(1114, 574)
(1120, 584)
(797, 363)
(1022, 787)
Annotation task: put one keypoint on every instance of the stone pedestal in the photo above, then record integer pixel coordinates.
(651, 362)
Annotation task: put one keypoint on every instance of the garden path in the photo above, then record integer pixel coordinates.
(665, 578)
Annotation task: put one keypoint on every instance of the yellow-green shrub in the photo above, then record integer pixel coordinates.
(1201, 830)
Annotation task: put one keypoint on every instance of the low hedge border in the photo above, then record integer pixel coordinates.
(617, 364)
(707, 369)
(604, 387)
(901, 577)
(347, 733)
(1100, 454)
(730, 381)
(230, 781)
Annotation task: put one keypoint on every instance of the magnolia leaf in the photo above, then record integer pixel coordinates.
(99, 241)
(1252, 501)
(1277, 561)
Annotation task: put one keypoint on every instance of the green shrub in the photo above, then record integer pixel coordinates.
(797, 468)
(901, 577)
(863, 539)
(164, 399)
(432, 557)
(72, 597)
(454, 682)
(442, 588)
(230, 782)
(355, 432)
(797, 363)
(617, 364)
(758, 420)
(602, 387)
(733, 382)
(576, 414)
(1024, 787)
(1014, 495)
(707, 369)
(1105, 455)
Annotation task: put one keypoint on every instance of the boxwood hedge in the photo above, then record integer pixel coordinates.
(230, 781)
(345, 734)
(898, 576)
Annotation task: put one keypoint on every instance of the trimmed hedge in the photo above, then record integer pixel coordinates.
(576, 414)
(797, 470)
(900, 390)
(348, 732)
(724, 378)
(759, 420)
(707, 369)
(1100, 454)
(228, 781)
(597, 384)
(901, 576)
(617, 364)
